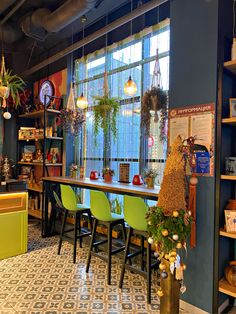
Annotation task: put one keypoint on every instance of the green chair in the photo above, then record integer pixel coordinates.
(134, 212)
(101, 210)
(71, 206)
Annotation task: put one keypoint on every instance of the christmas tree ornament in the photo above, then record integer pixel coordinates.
(156, 254)
(172, 259)
(164, 274)
(184, 267)
(175, 237)
(149, 222)
(162, 266)
(183, 288)
(160, 292)
(178, 245)
(175, 213)
(150, 240)
(172, 268)
(165, 232)
(172, 253)
(167, 256)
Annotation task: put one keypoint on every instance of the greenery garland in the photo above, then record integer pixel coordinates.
(148, 104)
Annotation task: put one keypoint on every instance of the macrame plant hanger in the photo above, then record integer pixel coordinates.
(4, 89)
(156, 83)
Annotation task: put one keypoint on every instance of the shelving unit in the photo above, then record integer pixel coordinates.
(44, 120)
(225, 184)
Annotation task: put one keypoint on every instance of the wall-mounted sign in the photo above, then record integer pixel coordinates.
(196, 121)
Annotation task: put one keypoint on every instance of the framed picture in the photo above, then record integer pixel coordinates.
(232, 107)
(230, 220)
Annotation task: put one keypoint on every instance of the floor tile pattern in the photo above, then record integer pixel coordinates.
(43, 282)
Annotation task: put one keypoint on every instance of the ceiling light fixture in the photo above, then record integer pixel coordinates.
(82, 101)
(130, 88)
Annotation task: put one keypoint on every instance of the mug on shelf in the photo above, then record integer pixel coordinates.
(93, 175)
(137, 179)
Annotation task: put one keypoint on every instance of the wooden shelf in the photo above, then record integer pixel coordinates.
(226, 288)
(231, 66)
(228, 177)
(38, 114)
(224, 233)
(229, 121)
(59, 138)
(35, 213)
(39, 164)
(36, 189)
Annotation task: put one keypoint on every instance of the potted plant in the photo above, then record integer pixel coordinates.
(107, 174)
(154, 100)
(11, 84)
(149, 177)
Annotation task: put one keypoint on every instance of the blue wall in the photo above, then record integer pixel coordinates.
(193, 80)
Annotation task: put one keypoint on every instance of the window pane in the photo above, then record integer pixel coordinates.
(160, 41)
(127, 55)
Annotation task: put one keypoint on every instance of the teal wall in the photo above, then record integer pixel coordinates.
(193, 80)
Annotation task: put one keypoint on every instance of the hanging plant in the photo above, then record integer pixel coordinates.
(154, 99)
(72, 121)
(105, 112)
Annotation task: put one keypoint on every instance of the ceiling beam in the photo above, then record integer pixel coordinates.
(108, 28)
(13, 10)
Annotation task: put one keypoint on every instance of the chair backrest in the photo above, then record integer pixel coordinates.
(100, 206)
(134, 212)
(68, 197)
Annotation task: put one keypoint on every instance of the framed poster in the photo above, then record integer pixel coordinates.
(196, 121)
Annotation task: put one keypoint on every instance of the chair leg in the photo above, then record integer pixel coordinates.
(130, 231)
(124, 231)
(79, 227)
(95, 223)
(109, 249)
(62, 231)
(142, 255)
(77, 215)
(149, 273)
(90, 220)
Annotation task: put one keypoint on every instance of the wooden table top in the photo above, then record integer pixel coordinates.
(113, 187)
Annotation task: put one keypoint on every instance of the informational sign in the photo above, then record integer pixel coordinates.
(196, 121)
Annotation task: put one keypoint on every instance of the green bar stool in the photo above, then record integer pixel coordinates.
(134, 213)
(70, 205)
(101, 210)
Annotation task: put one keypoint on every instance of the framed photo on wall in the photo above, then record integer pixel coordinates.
(232, 107)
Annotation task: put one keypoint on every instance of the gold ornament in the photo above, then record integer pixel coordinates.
(175, 213)
(167, 256)
(172, 259)
(178, 245)
(162, 266)
(184, 266)
(172, 253)
(165, 232)
(160, 293)
(175, 237)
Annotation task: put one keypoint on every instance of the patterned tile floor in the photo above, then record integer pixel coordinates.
(43, 282)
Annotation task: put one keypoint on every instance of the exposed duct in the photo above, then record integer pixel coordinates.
(42, 21)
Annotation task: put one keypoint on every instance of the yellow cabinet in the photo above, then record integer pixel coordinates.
(13, 224)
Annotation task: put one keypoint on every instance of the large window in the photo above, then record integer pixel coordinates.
(134, 56)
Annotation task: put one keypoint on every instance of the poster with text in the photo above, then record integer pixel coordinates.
(196, 121)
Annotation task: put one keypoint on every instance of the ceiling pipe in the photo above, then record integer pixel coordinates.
(5, 4)
(108, 28)
(14, 9)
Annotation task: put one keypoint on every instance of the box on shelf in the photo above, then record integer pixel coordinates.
(230, 166)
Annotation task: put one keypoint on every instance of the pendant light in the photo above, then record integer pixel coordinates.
(82, 101)
(130, 87)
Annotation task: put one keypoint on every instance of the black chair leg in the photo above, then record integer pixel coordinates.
(62, 231)
(109, 249)
(148, 273)
(125, 257)
(124, 231)
(79, 227)
(142, 255)
(90, 221)
(95, 223)
(75, 236)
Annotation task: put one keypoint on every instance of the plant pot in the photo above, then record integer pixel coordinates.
(107, 178)
(74, 174)
(169, 302)
(150, 182)
(4, 91)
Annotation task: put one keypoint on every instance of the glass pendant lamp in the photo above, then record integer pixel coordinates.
(130, 87)
(82, 101)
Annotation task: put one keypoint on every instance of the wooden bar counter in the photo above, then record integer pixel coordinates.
(13, 223)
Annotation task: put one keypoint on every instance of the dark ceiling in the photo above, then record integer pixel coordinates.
(21, 34)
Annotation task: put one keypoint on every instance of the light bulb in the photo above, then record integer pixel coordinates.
(7, 115)
(130, 87)
(82, 102)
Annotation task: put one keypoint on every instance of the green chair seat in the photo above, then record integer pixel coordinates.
(134, 212)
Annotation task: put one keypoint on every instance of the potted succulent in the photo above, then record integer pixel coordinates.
(149, 177)
(107, 174)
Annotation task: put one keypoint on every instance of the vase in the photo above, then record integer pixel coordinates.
(230, 273)
(74, 174)
(150, 182)
(169, 302)
(107, 178)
